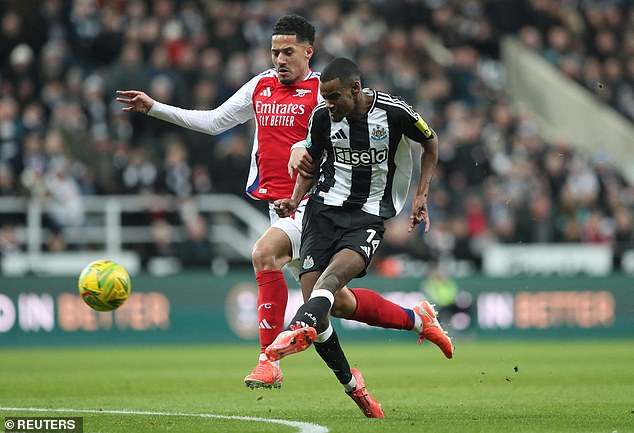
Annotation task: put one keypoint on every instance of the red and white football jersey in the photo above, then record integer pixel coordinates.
(281, 116)
(281, 113)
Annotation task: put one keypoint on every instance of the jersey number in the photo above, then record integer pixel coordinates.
(370, 240)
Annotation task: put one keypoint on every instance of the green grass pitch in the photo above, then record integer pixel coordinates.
(578, 386)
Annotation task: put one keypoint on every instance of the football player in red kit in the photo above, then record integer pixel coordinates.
(280, 100)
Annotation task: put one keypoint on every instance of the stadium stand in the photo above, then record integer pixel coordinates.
(63, 138)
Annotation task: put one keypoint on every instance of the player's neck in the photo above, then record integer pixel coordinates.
(362, 105)
(305, 73)
(302, 76)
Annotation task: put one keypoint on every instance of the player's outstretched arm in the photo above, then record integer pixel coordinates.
(428, 161)
(135, 100)
(235, 110)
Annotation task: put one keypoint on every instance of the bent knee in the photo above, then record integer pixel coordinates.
(263, 257)
(267, 257)
(339, 311)
(344, 307)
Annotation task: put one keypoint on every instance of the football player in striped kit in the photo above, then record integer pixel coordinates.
(280, 100)
(360, 142)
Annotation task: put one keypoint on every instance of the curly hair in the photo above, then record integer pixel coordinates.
(296, 25)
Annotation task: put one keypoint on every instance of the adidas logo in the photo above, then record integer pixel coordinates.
(366, 250)
(301, 324)
(266, 92)
(339, 135)
(264, 325)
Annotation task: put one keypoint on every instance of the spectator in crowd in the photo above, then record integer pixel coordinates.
(66, 207)
(195, 251)
(8, 240)
(7, 185)
(162, 238)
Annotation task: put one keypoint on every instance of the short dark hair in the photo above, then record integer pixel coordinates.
(344, 69)
(296, 25)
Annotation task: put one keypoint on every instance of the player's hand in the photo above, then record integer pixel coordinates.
(135, 100)
(419, 213)
(284, 207)
(301, 161)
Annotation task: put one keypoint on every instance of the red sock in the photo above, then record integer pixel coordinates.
(375, 310)
(272, 298)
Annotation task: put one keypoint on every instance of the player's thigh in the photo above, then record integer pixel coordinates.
(344, 265)
(363, 238)
(292, 226)
(308, 281)
(293, 233)
(320, 234)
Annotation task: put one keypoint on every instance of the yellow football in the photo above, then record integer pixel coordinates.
(104, 285)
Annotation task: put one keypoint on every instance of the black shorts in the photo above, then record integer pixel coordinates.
(329, 229)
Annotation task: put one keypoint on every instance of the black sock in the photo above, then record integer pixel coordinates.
(332, 353)
(313, 313)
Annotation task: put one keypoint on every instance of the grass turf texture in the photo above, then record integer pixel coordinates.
(581, 386)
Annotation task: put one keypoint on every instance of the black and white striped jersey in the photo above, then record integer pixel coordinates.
(366, 164)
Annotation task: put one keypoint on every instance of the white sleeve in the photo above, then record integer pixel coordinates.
(235, 110)
(301, 143)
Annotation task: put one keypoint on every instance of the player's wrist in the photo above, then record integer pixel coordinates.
(156, 108)
(299, 145)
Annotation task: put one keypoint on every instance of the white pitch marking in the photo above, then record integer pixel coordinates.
(304, 427)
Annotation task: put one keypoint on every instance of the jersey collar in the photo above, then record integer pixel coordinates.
(369, 91)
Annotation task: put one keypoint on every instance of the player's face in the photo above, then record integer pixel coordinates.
(290, 58)
(340, 98)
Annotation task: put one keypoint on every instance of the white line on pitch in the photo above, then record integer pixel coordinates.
(304, 427)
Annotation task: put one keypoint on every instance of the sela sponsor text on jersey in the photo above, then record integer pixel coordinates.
(356, 157)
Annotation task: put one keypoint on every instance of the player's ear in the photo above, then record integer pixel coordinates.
(310, 50)
(356, 87)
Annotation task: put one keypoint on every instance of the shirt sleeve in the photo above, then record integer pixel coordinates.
(317, 136)
(415, 127)
(234, 111)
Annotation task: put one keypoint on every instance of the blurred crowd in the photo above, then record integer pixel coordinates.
(63, 136)
(592, 44)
